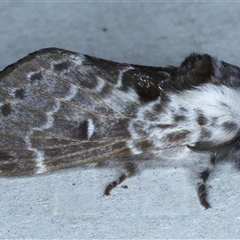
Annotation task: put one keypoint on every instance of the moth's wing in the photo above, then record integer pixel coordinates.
(61, 109)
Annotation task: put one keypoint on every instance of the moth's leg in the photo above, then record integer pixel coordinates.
(202, 190)
(113, 184)
(130, 171)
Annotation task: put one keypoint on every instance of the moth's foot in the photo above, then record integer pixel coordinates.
(114, 184)
(202, 195)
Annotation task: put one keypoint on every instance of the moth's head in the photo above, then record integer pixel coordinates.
(198, 69)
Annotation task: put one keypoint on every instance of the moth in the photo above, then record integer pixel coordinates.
(60, 109)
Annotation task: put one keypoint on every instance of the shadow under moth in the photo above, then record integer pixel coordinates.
(60, 109)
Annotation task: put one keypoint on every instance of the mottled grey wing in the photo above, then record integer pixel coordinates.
(61, 109)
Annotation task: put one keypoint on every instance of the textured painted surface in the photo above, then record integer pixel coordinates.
(159, 203)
